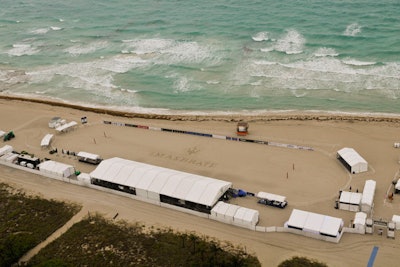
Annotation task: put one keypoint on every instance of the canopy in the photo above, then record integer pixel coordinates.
(66, 127)
(91, 156)
(46, 140)
(153, 179)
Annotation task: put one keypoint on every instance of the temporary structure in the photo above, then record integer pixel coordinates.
(88, 157)
(56, 168)
(178, 188)
(2, 133)
(46, 140)
(350, 201)
(66, 127)
(315, 223)
(352, 160)
(396, 220)
(5, 149)
(359, 220)
(234, 214)
(367, 200)
(270, 196)
(54, 122)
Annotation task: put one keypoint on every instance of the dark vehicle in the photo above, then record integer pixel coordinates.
(10, 135)
(273, 203)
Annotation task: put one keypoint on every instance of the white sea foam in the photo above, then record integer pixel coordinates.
(22, 50)
(40, 31)
(357, 62)
(261, 36)
(326, 51)
(352, 29)
(213, 82)
(54, 28)
(291, 43)
(264, 62)
(82, 49)
(166, 51)
(267, 49)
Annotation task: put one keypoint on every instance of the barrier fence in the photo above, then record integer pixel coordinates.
(230, 138)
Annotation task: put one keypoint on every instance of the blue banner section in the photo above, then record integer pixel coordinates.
(372, 257)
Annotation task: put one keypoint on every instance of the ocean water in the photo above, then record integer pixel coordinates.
(208, 56)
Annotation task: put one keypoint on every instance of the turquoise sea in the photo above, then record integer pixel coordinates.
(209, 56)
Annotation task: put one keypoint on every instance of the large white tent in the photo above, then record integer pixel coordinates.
(352, 160)
(315, 223)
(233, 214)
(160, 184)
(56, 168)
(368, 194)
(350, 201)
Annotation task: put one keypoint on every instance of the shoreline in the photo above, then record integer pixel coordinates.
(233, 117)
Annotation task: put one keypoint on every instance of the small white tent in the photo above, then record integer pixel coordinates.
(396, 220)
(367, 200)
(352, 160)
(66, 127)
(46, 140)
(56, 168)
(350, 201)
(6, 149)
(359, 220)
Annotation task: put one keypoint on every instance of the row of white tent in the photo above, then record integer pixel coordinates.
(315, 223)
(354, 201)
(234, 214)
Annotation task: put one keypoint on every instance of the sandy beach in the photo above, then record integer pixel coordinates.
(310, 180)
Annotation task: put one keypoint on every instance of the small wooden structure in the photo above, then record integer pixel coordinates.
(242, 128)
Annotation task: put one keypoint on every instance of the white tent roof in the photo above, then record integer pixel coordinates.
(360, 218)
(314, 222)
(368, 192)
(6, 149)
(350, 198)
(397, 186)
(56, 168)
(66, 126)
(396, 218)
(269, 196)
(351, 156)
(88, 155)
(185, 186)
(2, 133)
(46, 140)
(234, 213)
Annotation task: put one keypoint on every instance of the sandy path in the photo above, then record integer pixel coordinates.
(76, 218)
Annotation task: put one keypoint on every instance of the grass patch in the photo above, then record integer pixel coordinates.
(26, 221)
(96, 241)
